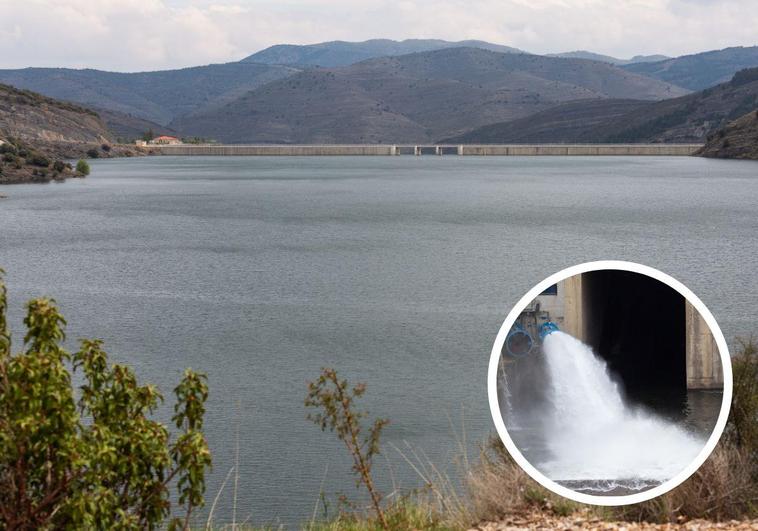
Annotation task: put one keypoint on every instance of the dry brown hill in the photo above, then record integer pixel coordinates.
(738, 140)
(414, 98)
(686, 119)
(38, 134)
(34, 117)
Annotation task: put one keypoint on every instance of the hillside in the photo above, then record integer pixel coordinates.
(702, 70)
(341, 53)
(738, 140)
(127, 128)
(573, 122)
(415, 97)
(37, 135)
(34, 117)
(156, 96)
(690, 118)
(592, 56)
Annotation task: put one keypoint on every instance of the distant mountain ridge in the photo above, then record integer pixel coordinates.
(372, 76)
(155, 96)
(416, 97)
(690, 118)
(701, 70)
(592, 56)
(343, 53)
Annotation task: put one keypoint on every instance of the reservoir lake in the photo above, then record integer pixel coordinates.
(397, 271)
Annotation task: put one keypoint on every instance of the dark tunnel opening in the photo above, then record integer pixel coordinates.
(637, 324)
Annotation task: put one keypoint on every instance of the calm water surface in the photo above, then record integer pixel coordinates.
(396, 270)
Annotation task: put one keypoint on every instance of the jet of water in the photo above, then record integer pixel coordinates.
(593, 435)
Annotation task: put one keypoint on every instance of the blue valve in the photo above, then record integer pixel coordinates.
(518, 342)
(547, 328)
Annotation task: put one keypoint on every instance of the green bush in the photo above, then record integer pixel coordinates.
(112, 470)
(82, 167)
(61, 166)
(93, 153)
(334, 402)
(105, 147)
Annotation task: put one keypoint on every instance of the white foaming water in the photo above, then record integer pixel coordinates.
(593, 435)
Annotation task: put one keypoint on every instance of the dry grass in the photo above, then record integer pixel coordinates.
(726, 486)
(723, 488)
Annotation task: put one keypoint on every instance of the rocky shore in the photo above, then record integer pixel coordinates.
(24, 162)
(738, 140)
(541, 521)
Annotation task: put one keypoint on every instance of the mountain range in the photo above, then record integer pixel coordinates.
(419, 97)
(701, 70)
(156, 96)
(392, 91)
(690, 118)
(342, 53)
(584, 54)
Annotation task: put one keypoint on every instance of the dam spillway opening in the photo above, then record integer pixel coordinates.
(637, 325)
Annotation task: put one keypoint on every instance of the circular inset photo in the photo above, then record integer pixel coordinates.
(610, 383)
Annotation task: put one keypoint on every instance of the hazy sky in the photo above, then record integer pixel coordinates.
(129, 35)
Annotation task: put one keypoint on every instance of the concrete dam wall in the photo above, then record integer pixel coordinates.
(428, 149)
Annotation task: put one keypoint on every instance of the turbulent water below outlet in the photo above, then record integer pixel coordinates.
(593, 436)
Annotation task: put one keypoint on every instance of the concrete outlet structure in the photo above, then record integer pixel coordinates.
(646, 331)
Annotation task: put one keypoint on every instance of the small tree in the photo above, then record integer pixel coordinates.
(112, 471)
(335, 401)
(82, 167)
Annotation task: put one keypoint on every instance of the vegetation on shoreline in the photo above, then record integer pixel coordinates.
(97, 461)
(20, 162)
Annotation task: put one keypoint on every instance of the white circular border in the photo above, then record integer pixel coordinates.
(539, 476)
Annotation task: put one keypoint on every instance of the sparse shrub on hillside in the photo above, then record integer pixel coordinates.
(742, 77)
(742, 428)
(7, 147)
(37, 159)
(112, 471)
(93, 153)
(105, 147)
(334, 401)
(82, 167)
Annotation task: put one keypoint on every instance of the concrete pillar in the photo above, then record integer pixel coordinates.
(417, 150)
(703, 359)
(437, 150)
(460, 150)
(573, 307)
